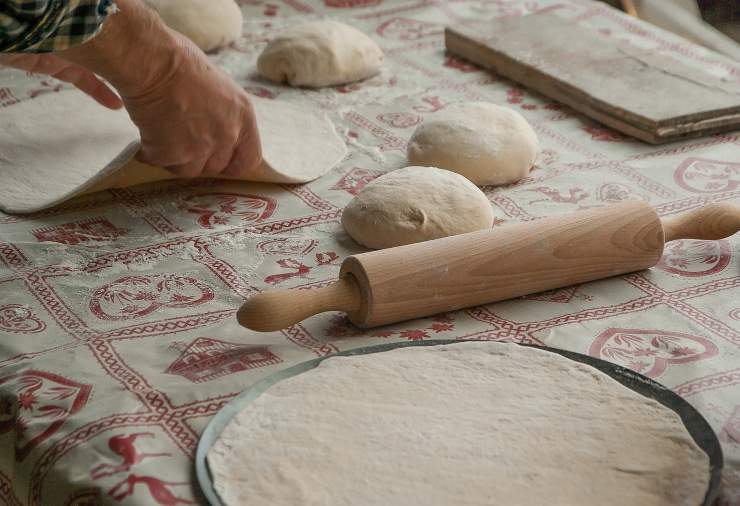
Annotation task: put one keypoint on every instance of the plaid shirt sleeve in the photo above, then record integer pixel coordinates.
(40, 26)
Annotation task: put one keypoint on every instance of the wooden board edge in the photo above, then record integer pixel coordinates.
(644, 129)
(463, 45)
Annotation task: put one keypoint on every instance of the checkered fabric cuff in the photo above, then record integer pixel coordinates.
(41, 26)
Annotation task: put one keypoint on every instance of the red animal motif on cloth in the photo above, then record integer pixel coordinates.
(228, 208)
(692, 258)
(515, 96)
(123, 446)
(400, 119)
(343, 4)
(603, 134)
(286, 263)
(158, 489)
(36, 404)
(431, 104)
(287, 246)
(20, 319)
(355, 180)
(260, 91)
(649, 352)
(456, 63)
(7, 98)
(548, 157)
(560, 295)
(574, 196)
(300, 269)
(508, 8)
(407, 29)
(617, 192)
(375, 82)
(136, 296)
(701, 175)
(46, 86)
(94, 229)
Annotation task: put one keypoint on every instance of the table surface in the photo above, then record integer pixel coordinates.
(118, 341)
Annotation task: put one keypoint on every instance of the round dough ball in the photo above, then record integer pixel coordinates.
(320, 53)
(487, 143)
(210, 24)
(415, 204)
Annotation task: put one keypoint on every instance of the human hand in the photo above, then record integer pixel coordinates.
(194, 119)
(64, 70)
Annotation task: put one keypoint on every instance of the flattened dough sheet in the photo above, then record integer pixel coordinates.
(64, 144)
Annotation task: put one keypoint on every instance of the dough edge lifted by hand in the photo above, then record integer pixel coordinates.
(42, 166)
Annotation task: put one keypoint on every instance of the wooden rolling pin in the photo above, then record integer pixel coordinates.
(426, 278)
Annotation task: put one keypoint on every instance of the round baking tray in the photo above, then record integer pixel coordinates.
(694, 422)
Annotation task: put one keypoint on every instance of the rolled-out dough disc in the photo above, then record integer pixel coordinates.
(465, 424)
(64, 144)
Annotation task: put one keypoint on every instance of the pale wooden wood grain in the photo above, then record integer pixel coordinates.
(417, 280)
(504, 262)
(636, 91)
(279, 309)
(710, 222)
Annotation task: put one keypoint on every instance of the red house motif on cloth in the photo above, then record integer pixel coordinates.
(206, 359)
(95, 229)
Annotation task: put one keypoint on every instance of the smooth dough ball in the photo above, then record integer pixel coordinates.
(415, 204)
(320, 53)
(487, 143)
(210, 24)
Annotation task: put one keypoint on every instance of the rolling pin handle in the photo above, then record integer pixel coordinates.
(710, 222)
(271, 311)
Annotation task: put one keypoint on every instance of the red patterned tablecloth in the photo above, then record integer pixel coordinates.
(118, 341)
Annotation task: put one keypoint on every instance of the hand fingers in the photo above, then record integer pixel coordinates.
(89, 83)
(247, 157)
(54, 66)
(151, 154)
(217, 162)
(19, 61)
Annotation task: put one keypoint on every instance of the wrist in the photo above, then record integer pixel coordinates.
(134, 51)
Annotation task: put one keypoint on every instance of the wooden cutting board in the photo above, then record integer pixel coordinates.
(637, 91)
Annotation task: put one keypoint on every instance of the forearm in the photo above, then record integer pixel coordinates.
(134, 51)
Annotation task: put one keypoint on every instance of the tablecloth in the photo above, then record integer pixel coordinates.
(118, 339)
